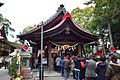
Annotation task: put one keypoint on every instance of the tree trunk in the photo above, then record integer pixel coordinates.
(110, 34)
(103, 46)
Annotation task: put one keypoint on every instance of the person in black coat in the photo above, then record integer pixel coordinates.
(101, 69)
(32, 62)
(77, 68)
(82, 69)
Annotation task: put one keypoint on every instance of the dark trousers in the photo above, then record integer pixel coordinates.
(62, 70)
(77, 75)
(73, 74)
(58, 69)
(66, 73)
(5, 64)
(90, 78)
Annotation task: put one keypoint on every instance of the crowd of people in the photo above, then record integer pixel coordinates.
(88, 68)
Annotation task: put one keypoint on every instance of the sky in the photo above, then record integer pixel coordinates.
(29, 12)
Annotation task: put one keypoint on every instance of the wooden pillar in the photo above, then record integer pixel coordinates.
(92, 49)
(49, 57)
(79, 50)
(35, 51)
(83, 50)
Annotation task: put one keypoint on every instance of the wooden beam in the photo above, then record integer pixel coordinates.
(49, 57)
(79, 50)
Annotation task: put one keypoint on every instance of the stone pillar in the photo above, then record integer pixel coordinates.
(79, 50)
(49, 57)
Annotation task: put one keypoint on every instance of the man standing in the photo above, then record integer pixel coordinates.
(77, 68)
(58, 63)
(101, 68)
(62, 65)
(66, 67)
(90, 69)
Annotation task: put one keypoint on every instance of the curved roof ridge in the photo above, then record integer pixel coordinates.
(1, 4)
(30, 31)
(56, 26)
(60, 9)
(54, 16)
(81, 28)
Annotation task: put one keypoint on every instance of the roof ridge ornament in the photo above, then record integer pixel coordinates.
(67, 14)
(61, 8)
(62, 5)
(1, 4)
(40, 24)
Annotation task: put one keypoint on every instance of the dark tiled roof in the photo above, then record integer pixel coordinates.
(54, 16)
(60, 9)
(13, 44)
(53, 29)
(1, 4)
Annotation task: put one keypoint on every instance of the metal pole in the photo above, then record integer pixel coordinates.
(41, 49)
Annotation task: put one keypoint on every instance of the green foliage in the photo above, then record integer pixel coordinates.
(13, 67)
(87, 48)
(84, 17)
(6, 23)
(104, 11)
(96, 17)
(28, 28)
(108, 10)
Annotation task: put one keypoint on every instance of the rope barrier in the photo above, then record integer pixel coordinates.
(62, 46)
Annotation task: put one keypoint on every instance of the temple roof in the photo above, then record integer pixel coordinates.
(8, 47)
(1, 4)
(55, 19)
(12, 44)
(2, 32)
(60, 27)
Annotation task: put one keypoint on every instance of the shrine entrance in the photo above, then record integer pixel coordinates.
(61, 35)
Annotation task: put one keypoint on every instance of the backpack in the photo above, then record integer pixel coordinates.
(82, 64)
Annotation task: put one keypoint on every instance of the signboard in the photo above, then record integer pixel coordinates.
(54, 51)
(29, 50)
(112, 49)
(44, 60)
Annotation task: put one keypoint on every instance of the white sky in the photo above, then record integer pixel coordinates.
(29, 12)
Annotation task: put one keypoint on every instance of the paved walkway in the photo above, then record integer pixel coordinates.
(55, 76)
(47, 75)
(4, 74)
(50, 76)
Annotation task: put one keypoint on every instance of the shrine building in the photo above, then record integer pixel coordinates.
(59, 30)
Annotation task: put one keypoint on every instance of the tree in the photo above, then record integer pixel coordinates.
(28, 28)
(105, 16)
(88, 48)
(13, 66)
(107, 13)
(5, 24)
(84, 17)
